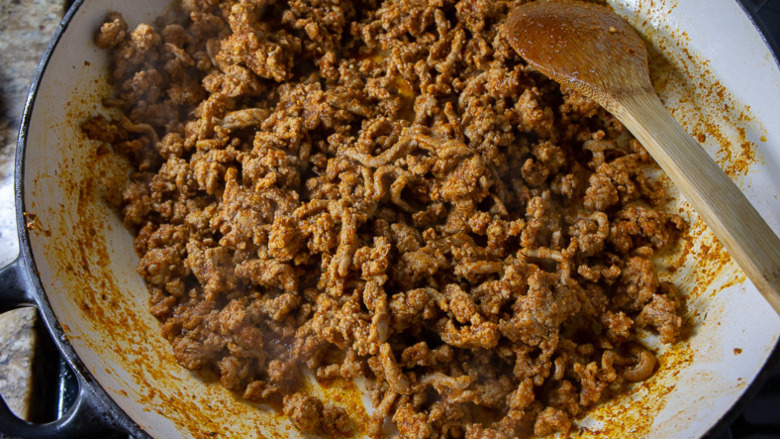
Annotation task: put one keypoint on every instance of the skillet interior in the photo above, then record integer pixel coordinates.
(86, 261)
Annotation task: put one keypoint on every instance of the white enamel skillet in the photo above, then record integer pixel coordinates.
(76, 264)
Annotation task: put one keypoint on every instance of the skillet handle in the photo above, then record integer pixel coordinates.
(13, 291)
(87, 417)
(83, 420)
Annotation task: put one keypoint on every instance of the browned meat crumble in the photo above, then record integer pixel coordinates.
(385, 190)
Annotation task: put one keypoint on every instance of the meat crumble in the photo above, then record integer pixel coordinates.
(384, 189)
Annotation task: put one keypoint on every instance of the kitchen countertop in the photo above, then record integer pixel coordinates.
(26, 26)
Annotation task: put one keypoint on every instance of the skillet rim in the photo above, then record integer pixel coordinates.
(113, 413)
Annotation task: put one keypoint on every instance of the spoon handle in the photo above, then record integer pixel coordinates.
(722, 206)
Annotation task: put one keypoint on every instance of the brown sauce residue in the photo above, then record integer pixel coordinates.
(632, 415)
(345, 394)
(704, 107)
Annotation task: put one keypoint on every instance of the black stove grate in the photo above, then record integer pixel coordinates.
(760, 417)
(766, 15)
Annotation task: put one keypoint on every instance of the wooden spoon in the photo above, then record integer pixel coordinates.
(593, 51)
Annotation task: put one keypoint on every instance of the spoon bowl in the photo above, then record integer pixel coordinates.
(582, 45)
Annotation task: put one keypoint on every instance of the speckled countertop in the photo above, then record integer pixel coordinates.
(26, 26)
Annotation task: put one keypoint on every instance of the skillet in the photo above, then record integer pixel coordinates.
(76, 261)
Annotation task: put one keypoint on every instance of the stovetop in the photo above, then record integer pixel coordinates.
(766, 15)
(760, 417)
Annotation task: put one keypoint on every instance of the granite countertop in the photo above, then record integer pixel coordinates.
(26, 26)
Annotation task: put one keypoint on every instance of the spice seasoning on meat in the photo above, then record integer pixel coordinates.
(385, 190)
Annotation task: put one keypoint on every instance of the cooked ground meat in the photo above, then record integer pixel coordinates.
(385, 189)
(310, 415)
